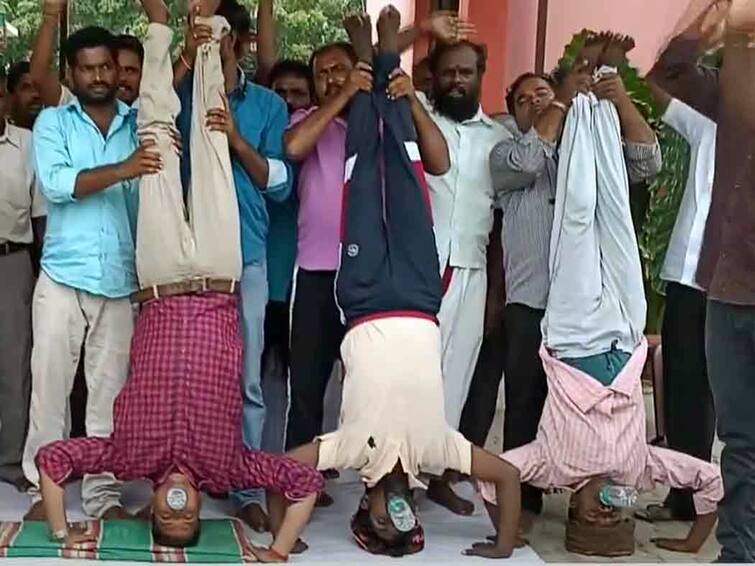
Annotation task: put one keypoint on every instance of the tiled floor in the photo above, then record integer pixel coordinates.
(547, 537)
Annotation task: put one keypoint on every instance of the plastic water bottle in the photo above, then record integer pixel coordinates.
(618, 496)
(401, 514)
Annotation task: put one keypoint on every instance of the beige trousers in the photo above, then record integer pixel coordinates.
(63, 318)
(173, 245)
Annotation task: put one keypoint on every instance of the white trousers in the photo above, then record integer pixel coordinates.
(62, 319)
(174, 244)
(597, 296)
(462, 325)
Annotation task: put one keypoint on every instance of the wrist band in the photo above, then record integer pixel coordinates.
(185, 62)
(58, 536)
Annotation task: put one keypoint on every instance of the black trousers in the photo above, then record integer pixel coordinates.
(730, 347)
(479, 409)
(389, 260)
(525, 386)
(316, 334)
(688, 403)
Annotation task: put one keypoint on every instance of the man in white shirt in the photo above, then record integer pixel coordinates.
(690, 417)
(462, 206)
(20, 205)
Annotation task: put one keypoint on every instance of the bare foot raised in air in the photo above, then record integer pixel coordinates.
(387, 27)
(359, 29)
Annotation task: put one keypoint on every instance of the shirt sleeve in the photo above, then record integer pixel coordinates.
(644, 160)
(681, 471)
(679, 73)
(339, 450)
(532, 464)
(687, 121)
(68, 460)
(52, 163)
(38, 203)
(280, 176)
(516, 162)
(292, 479)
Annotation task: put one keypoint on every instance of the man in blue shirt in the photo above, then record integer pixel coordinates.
(291, 80)
(86, 156)
(255, 120)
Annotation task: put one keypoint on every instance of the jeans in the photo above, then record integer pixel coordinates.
(730, 347)
(253, 305)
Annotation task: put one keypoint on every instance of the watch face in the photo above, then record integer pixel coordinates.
(177, 498)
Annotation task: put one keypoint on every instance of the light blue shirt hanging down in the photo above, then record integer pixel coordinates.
(89, 244)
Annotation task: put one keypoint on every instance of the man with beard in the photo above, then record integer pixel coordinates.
(255, 120)
(316, 140)
(462, 205)
(130, 56)
(25, 103)
(21, 220)
(86, 157)
(524, 171)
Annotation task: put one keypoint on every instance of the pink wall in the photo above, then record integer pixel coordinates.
(520, 38)
(649, 22)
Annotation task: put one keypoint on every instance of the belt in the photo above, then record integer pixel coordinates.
(187, 287)
(7, 248)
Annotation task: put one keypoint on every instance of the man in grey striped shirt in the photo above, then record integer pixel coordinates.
(524, 170)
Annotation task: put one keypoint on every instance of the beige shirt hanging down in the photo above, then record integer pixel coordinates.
(20, 199)
(392, 406)
(172, 245)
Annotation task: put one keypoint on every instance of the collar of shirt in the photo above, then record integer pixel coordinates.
(586, 392)
(122, 112)
(10, 135)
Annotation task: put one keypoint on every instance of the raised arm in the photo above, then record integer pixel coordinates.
(43, 52)
(678, 70)
(738, 72)
(266, 48)
(302, 138)
(444, 25)
(432, 145)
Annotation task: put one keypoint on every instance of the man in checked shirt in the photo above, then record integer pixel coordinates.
(177, 421)
(592, 431)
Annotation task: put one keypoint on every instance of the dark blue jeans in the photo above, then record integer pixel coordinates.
(730, 347)
(389, 260)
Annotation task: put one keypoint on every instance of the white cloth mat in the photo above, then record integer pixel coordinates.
(328, 535)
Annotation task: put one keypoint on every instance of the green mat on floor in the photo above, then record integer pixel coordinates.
(220, 541)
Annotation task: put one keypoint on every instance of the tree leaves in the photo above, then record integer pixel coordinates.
(303, 25)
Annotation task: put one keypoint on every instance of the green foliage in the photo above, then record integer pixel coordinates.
(303, 25)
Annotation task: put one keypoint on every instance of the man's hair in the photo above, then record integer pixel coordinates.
(443, 48)
(15, 74)
(519, 81)
(237, 16)
(342, 45)
(87, 38)
(125, 42)
(365, 536)
(291, 67)
(166, 540)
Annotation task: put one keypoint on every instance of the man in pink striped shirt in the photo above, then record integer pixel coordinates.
(592, 431)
